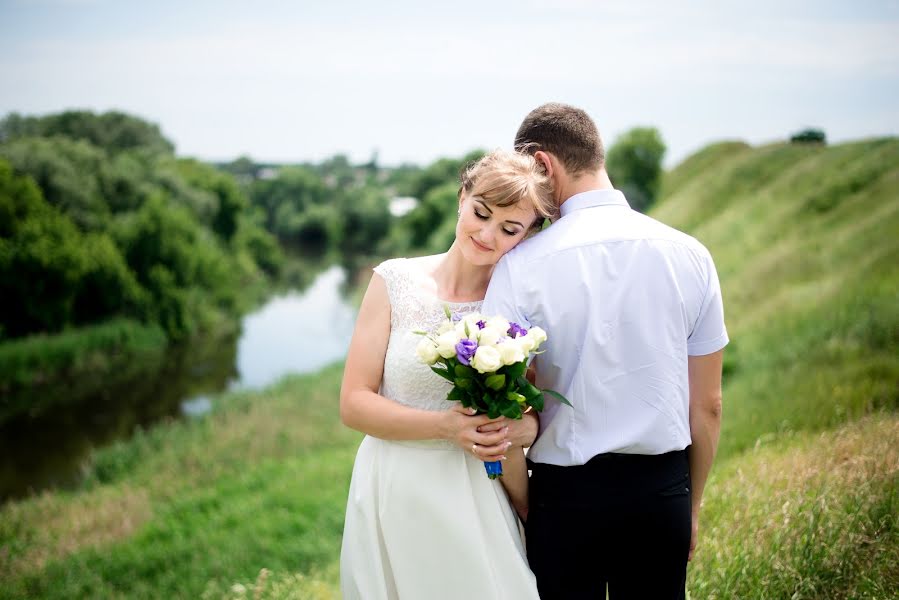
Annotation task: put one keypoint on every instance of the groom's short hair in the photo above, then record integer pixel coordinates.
(565, 131)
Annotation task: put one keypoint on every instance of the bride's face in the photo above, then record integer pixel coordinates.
(485, 232)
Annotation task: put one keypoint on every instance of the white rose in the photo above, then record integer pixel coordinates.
(490, 336)
(538, 334)
(446, 344)
(526, 342)
(446, 326)
(498, 323)
(510, 352)
(427, 351)
(486, 359)
(471, 323)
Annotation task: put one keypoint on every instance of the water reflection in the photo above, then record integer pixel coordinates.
(293, 333)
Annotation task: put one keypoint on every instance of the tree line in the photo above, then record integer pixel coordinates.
(99, 218)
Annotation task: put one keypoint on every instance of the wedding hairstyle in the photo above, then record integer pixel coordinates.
(566, 132)
(503, 178)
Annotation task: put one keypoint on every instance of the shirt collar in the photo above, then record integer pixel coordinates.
(593, 198)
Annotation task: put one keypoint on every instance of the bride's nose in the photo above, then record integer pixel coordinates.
(487, 236)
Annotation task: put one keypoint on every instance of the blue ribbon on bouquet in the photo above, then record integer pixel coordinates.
(494, 469)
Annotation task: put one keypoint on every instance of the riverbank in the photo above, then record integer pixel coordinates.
(43, 370)
(200, 508)
(34, 370)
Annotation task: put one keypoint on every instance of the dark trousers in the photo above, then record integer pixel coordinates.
(621, 520)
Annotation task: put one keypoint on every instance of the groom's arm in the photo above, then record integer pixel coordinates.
(705, 426)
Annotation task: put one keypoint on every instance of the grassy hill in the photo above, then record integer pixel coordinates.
(806, 241)
(802, 503)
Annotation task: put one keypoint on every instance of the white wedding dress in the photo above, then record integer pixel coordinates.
(423, 521)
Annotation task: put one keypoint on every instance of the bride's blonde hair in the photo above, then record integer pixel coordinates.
(504, 178)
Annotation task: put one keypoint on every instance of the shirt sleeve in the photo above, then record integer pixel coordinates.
(501, 299)
(709, 333)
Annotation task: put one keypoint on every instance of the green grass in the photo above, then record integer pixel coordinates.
(806, 245)
(802, 503)
(193, 507)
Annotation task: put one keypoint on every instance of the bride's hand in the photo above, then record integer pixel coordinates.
(461, 428)
(521, 432)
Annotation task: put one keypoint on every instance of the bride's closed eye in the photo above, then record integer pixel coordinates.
(484, 217)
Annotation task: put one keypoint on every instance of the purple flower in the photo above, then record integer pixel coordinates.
(515, 330)
(481, 324)
(465, 350)
(456, 318)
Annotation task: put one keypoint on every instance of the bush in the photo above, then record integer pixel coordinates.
(69, 174)
(51, 274)
(113, 131)
(634, 163)
(809, 136)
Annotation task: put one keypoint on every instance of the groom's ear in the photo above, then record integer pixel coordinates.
(546, 160)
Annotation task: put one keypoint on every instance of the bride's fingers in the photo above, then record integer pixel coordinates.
(494, 425)
(490, 439)
(491, 453)
(477, 421)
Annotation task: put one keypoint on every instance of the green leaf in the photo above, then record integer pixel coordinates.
(455, 394)
(443, 373)
(463, 371)
(496, 382)
(516, 397)
(527, 389)
(515, 371)
(536, 402)
(512, 411)
(463, 383)
(558, 397)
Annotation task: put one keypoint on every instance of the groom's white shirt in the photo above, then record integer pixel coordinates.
(624, 300)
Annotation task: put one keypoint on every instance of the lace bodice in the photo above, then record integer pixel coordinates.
(413, 308)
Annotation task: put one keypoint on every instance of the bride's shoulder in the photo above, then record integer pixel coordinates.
(416, 266)
(390, 267)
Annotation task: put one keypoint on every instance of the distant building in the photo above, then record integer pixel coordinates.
(400, 205)
(267, 173)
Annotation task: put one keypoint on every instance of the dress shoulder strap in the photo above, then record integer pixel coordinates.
(395, 273)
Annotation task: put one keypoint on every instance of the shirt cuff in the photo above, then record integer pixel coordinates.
(709, 347)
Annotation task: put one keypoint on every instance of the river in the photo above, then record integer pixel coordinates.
(291, 333)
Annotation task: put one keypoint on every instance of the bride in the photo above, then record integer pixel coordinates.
(423, 520)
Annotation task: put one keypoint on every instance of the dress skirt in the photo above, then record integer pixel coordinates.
(423, 521)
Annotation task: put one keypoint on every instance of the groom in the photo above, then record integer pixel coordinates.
(636, 333)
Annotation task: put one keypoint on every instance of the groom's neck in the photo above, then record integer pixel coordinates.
(598, 180)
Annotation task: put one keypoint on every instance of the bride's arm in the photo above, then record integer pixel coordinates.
(364, 409)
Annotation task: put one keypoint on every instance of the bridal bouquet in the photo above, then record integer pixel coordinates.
(485, 358)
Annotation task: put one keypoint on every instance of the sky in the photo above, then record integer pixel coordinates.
(414, 81)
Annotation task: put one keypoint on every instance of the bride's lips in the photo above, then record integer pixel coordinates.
(480, 246)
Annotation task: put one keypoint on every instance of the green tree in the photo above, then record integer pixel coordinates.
(69, 174)
(634, 163)
(229, 202)
(113, 131)
(51, 274)
(365, 220)
(186, 272)
(291, 192)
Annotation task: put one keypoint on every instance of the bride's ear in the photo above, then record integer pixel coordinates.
(545, 160)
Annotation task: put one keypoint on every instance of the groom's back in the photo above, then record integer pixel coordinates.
(624, 299)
